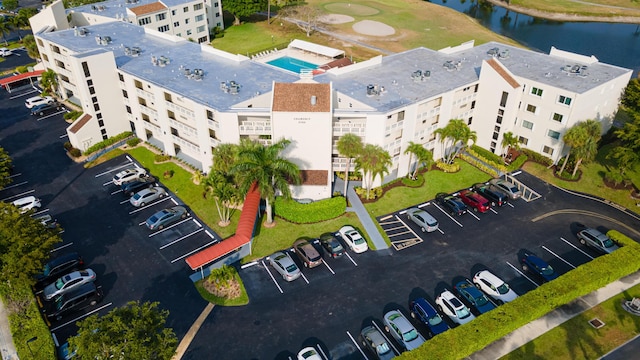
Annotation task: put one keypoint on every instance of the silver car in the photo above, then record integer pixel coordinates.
(597, 240)
(401, 329)
(129, 175)
(423, 219)
(506, 187)
(69, 282)
(145, 196)
(283, 263)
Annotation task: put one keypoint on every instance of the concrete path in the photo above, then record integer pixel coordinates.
(6, 341)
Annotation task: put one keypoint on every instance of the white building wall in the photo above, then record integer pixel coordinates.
(53, 17)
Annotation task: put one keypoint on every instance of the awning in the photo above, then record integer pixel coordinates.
(315, 48)
(11, 79)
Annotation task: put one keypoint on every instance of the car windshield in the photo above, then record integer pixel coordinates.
(462, 312)
(481, 300)
(153, 219)
(292, 268)
(546, 271)
(336, 247)
(59, 283)
(47, 270)
(137, 196)
(358, 241)
(608, 243)
(410, 335)
(503, 289)
(514, 189)
(382, 348)
(309, 354)
(485, 204)
(435, 320)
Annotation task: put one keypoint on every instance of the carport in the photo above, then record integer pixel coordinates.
(240, 242)
(20, 80)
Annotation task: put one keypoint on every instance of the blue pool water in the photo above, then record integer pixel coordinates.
(292, 64)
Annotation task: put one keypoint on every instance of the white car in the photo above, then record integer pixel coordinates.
(451, 306)
(494, 287)
(4, 52)
(129, 175)
(69, 282)
(27, 203)
(309, 353)
(353, 239)
(38, 100)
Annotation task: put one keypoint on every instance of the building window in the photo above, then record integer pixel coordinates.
(101, 123)
(535, 91)
(553, 134)
(125, 94)
(176, 24)
(144, 21)
(103, 131)
(104, 137)
(469, 120)
(212, 134)
(500, 112)
(188, 32)
(495, 136)
(89, 82)
(564, 100)
(96, 107)
(531, 108)
(128, 109)
(121, 77)
(202, 40)
(185, 9)
(499, 119)
(547, 150)
(94, 99)
(523, 140)
(138, 84)
(186, 21)
(99, 116)
(171, 114)
(557, 117)
(197, 7)
(473, 104)
(527, 124)
(503, 99)
(92, 90)
(200, 17)
(142, 101)
(85, 68)
(160, 17)
(163, 28)
(209, 114)
(493, 144)
(496, 128)
(201, 29)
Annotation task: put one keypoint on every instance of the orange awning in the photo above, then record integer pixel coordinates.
(12, 79)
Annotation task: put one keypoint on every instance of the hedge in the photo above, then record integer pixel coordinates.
(465, 340)
(491, 157)
(537, 157)
(314, 212)
(518, 162)
(448, 168)
(480, 165)
(110, 141)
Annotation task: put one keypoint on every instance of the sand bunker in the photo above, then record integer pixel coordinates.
(336, 19)
(373, 28)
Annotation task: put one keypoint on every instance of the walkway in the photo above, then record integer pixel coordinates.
(6, 341)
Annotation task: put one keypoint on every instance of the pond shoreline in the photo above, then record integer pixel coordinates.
(566, 17)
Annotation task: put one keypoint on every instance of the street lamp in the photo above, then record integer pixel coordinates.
(29, 346)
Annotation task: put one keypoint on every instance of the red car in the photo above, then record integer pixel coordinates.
(475, 201)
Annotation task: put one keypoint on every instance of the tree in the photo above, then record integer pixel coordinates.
(5, 28)
(572, 137)
(264, 165)
(243, 8)
(509, 141)
(372, 161)
(224, 156)
(631, 95)
(6, 164)
(49, 81)
(134, 331)
(423, 156)
(589, 147)
(10, 5)
(456, 135)
(304, 16)
(29, 43)
(349, 145)
(627, 153)
(222, 187)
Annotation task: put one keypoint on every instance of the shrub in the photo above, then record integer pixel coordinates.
(518, 162)
(413, 183)
(75, 152)
(72, 115)
(374, 193)
(168, 174)
(537, 157)
(614, 177)
(22, 69)
(448, 168)
(161, 158)
(314, 212)
(353, 175)
(481, 166)
(491, 157)
(67, 146)
(133, 142)
(110, 141)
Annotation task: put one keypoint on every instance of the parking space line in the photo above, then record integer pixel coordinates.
(210, 234)
(14, 175)
(423, 205)
(81, 317)
(304, 277)
(180, 239)
(174, 201)
(124, 201)
(558, 256)
(112, 170)
(40, 212)
(398, 234)
(197, 223)
(63, 136)
(328, 267)
(62, 247)
(521, 273)
(386, 338)
(193, 251)
(146, 206)
(272, 278)
(109, 183)
(350, 258)
(358, 346)
(493, 211)
(54, 114)
(474, 215)
(450, 217)
(16, 196)
(391, 222)
(386, 217)
(575, 247)
(23, 94)
(169, 227)
(14, 185)
(410, 229)
(325, 357)
(440, 230)
(510, 204)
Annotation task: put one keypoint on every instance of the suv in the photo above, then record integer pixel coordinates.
(506, 187)
(309, 256)
(127, 175)
(474, 296)
(475, 201)
(494, 287)
(331, 245)
(27, 203)
(38, 100)
(45, 108)
(59, 266)
(451, 306)
(535, 265)
(421, 309)
(423, 219)
(76, 300)
(497, 198)
(401, 329)
(452, 204)
(597, 240)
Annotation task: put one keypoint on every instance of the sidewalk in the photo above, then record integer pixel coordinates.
(6, 341)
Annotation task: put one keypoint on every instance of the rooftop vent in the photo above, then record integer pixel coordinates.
(374, 90)
(154, 60)
(230, 87)
(80, 31)
(135, 51)
(504, 54)
(163, 60)
(131, 1)
(451, 65)
(493, 51)
(420, 75)
(579, 70)
(103, 40)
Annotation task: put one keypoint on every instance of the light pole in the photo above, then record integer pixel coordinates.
(29, 346)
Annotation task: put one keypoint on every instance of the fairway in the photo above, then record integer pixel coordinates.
(351, 9)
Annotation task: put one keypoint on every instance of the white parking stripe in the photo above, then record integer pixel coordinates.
(493, 211)
(358, 346)
(413, 232)
(386, 338)
(440, 230)
(385, 218)
(175, 202)
(81, 317)
(53, 114)
(23, 94)
(169, 227)
(272, 278)
(114, 169)
(108, 183)
(197, 223)
(510, 204)
(558, 256)
(423, 205)
(14, 185)
(148, 205)
(14, 175)
(399, 233)
(124, 202)
(63, 136)
(62, 247)
(180, 239)
(40, 212)
(208, 233)
(575, 247)
(474, 215)
(396, 228)
(18, 195)
(116, 192)
(193, 251)
(446, 213)
(350, 258)
(304, 277)
(325, 357)
(521, 273)
(328, 267)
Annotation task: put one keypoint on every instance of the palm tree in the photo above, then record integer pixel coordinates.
(589, 148)
(457, 134)
(17, 22)
(425, 157)
(263, 164)
(412, 149)
(372, 161)
(224, 156)
(509, 141)
(5, 28)
(224, 192)
(571, 138)
(49, 81)
(29, 43)
(349, 145)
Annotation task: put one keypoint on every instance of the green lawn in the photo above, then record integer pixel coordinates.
(630, 8)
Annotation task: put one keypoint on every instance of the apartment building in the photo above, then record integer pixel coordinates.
(188, 98)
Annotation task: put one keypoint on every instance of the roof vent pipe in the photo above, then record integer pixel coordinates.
(314, 100)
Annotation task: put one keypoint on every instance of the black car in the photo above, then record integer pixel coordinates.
(134, 186)
(59, 266)
(451, 204)
(81, 298)
(46, 108)
(497, 198)
(331, 245)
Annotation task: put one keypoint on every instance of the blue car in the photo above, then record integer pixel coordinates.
(473, 296)
(422, 310)
(535, 265)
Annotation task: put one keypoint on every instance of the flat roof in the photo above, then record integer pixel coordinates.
(118, 8)
(253, 78)
(315, 48)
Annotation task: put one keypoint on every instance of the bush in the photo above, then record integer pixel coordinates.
(518, 162)
(67, 146)
(478, 164)
(133, 142)
(448, 168)
(488, 155)
(75, 152)
(161, 158)
(413, 183)
(22, 69)
(110, 141)
(353, 175)
(314, 212)
(614, 177)
(537, 157)
(168, 174)
(374, 193)
(72, 115)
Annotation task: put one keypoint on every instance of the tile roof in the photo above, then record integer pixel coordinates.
(297, 97)
(495, 65)
(314, 177)
(148, 8)
(78, 124)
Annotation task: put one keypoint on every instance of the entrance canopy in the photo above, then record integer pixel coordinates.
(316, 49)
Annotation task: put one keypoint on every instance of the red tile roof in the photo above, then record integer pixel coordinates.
(78, 124)
(243, 235)
(11, 79)
(148, 8)
(503, 72)
(297, 97)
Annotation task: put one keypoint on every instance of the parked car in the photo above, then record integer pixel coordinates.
(65, 353)
(373, 340)
(535, 265)
(131, 187)
(475, 201)
(422, 310)
(353, 239)
(496, 197)
(309, 353)
(145, 196)
(331, 245)
(401, 329)
(423, 219)
(47, 108)
(452, 204)
(285, 266)
(309, 256)
(38, 100)
(47, 221)
(166, 217)
(4, 52)
(27, 203)
(473, 296)
(129, 175)
(68, 282)
(506, 187)
(78, 299)
(494, 286)
(597, 240)
(59, 266)
(451, 306)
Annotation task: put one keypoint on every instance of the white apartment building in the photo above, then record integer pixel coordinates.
(187, 98)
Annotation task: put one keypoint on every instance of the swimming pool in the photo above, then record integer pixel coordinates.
(292, 64)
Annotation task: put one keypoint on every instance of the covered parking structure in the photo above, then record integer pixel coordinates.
(21, 80)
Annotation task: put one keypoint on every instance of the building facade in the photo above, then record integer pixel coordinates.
(187, 98)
